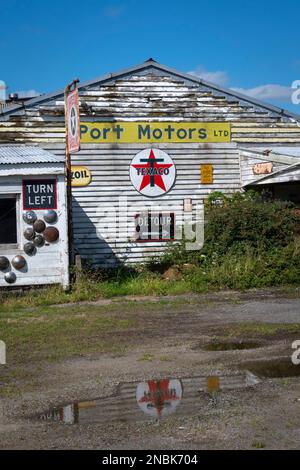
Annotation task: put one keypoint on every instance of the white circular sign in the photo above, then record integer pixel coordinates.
(158, 398)
(152, 172)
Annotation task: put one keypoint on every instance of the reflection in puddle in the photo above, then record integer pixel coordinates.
(158, 398)
(154, 399)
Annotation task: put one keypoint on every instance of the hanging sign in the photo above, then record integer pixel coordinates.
(151, 132)
(152, 172)
(155, 226)
(80, 176)
(39, 194)
(73, 121)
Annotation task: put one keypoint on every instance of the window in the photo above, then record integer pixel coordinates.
(8, 219)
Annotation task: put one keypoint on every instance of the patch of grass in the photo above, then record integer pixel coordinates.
(142, 284)
(55, 333)
(58, 333)
(146, 357)
(165, 358)
(82, 291)
(258, 445)
(145, 284)
(261, 329)
(239, 271)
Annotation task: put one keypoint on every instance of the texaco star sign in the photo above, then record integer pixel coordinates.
(152, 172)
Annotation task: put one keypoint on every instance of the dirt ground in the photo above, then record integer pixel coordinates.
(168, 340)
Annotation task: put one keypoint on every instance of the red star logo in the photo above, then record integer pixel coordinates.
(159, 394)
(152, 171)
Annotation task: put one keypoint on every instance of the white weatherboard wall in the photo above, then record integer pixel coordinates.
(50, 263)
(94, 220)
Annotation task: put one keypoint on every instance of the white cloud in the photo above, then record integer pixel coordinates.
(270, 91)
(219, 77)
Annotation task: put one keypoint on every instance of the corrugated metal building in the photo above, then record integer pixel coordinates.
(213, 139)
(33, 217)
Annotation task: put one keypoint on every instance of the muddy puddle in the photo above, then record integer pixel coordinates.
(152, 399)
(229, 345)
(276, 368)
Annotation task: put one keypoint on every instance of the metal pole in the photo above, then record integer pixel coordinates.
(69, 88)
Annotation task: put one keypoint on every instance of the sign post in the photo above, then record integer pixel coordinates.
(72, 123)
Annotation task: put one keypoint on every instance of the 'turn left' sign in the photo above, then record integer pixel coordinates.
(39, 194)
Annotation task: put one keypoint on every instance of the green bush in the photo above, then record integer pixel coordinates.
(250, 241)
(248, 220)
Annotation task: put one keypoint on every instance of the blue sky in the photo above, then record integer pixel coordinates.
(249, 45)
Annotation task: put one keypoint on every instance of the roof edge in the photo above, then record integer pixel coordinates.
(270, 156)
(152, 64)
(273, 175)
